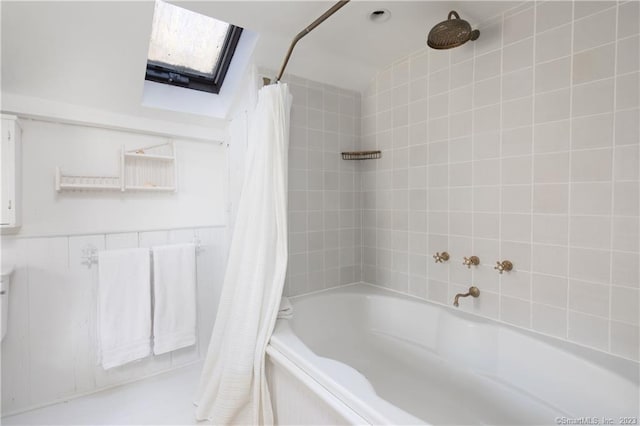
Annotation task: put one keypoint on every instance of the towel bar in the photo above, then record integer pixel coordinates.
(89, 255)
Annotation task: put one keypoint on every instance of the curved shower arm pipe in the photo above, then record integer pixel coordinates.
(306, 31)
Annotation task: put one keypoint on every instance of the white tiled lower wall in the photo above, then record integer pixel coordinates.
(324, 209)
(522, 145)
(49, 352)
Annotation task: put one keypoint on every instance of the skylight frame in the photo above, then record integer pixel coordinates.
(191, 79)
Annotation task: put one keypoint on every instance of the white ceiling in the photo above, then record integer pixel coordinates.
(94, 53)
(348, 48)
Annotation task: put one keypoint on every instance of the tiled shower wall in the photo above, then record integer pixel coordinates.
(324, 209)
(522, 145)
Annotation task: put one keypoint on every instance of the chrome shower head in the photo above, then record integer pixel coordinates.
(451, 33)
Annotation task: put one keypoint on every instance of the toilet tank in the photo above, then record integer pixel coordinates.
(4, 296)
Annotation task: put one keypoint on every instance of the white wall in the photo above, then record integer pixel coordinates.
(522, 145)
(200, 200)
(49, 352)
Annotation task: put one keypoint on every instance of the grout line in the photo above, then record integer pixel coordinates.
(448, 171)
(500, 149)
(532, 174)
(613, 171)
(472, 160)
(427, 169)
(586, 116)
(569, 184)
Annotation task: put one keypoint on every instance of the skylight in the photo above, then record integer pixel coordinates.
(189, 49)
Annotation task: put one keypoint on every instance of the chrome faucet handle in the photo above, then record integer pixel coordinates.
(505, 265)
(473, 260)
(441, 257)
(473, 292)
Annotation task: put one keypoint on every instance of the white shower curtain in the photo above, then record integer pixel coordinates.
(233, 388)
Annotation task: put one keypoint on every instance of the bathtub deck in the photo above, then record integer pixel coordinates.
(162, 399)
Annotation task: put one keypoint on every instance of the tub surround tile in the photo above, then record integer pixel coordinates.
(630, 61)
(550, 290)
(625, 340)
(583, 35)
(595, 131)
(588, 330)
(549, 320)
(325, 199)
(551, 14)
(589, 298)
(590, 231)
(515, 311)
(624, 305)
(628, 19)
(553, 44)
(522, 147)
(625, 269)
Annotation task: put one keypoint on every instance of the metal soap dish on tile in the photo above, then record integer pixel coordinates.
(361, 155)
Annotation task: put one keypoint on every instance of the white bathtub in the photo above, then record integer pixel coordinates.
(373, 356)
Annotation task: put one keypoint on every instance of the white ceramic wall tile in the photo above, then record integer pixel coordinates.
(553, 44)
(589, 298)
(627, 127)
(583, 35)
(551, 229)
(628, 19)
(590, 231)
(551, 14)
(624, 305)
(553, 75)
(549, 320)
(628, 59)
(587, 8)
(588, 330)
(550, 290)
(324, 190)
(531, 155)
(515, 311)
(594, 131)
(625, 339)
(594, 64)
(625, 269)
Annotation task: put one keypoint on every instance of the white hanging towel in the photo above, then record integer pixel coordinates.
(124, 306)
(174, 287)
(233, 388)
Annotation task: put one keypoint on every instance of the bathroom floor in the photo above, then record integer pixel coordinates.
(163, 399)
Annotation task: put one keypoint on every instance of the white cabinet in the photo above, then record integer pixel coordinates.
(10, 158)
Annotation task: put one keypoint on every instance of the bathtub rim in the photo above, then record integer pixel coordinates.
(366, 403)
(348, 413)
(291, 347)
(624, 367)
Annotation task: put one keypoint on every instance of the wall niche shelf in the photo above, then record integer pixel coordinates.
(150, 169)
(361, 155)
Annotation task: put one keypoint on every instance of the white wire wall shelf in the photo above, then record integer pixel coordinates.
(151, 169)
